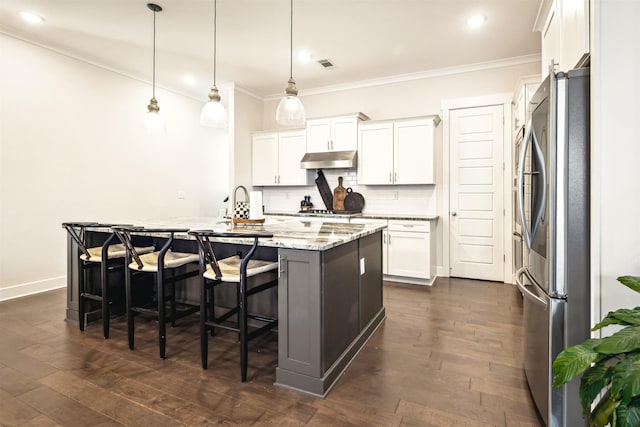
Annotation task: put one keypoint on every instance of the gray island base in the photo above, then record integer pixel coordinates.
(329, 300)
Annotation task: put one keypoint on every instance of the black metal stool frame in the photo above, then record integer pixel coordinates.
(106, 266)
(124, 234)
(208, 320)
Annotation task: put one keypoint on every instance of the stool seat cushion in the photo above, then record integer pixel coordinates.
(230, 268)
(114, 251)
(171, 260)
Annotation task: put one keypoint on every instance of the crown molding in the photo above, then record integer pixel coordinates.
(508, 62)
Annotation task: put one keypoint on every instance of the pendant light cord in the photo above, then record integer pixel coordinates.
(215, 26)
(291, 43)
(154, 55)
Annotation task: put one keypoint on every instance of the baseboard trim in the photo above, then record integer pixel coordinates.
(24, 289)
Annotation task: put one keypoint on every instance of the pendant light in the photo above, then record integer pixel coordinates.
(290, 110)
(153, 119)
(214, 114)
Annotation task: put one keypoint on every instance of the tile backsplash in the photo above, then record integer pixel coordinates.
(398, 199)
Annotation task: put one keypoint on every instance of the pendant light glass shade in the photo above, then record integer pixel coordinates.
(153, 120)
(290, 111)
(213, 113)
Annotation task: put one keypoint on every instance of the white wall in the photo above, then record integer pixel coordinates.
(73, 147)
(246, 114)
(615, 152)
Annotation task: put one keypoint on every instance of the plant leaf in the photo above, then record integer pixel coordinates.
(626, 378)
(631, 282)
(623, 316)
(571, 362)
(628, 416)
(623, 341)
(591, 384)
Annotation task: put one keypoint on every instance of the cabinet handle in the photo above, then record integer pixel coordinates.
(390, 177)
(384, 238)
(328, 145)
(275, 179)
(389, 239)
(395, 175)
(281, 266)
(278, 179)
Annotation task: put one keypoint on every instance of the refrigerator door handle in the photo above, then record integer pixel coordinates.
(526, 292)
(523, 154)
(543, 175)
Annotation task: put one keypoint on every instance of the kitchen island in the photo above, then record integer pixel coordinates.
(329, 299)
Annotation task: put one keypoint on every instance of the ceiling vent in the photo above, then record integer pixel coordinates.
(325, 63)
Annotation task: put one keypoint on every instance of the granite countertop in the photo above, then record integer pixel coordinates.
(414, 217)
(315, 236)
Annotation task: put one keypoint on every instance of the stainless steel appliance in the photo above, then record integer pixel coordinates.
(553, 198)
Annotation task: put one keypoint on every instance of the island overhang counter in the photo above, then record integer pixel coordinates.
(329, 297)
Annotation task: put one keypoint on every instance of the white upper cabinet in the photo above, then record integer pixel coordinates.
(375, 154)
(291, 147)
(575, 32)
(398, 152)
(564, 26)
(550, 42)
(264, 156)
(276, 158)
(413, 155)
(334, 133)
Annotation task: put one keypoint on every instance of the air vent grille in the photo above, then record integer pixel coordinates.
(325, 63)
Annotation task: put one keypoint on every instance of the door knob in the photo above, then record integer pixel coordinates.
(454, 213)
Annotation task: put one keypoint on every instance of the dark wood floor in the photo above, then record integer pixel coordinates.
(447, 355)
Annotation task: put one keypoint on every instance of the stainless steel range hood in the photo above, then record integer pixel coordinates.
(329, 160)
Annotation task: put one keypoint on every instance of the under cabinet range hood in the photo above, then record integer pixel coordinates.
(329, 160)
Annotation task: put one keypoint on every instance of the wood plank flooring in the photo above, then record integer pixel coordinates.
(447, 355)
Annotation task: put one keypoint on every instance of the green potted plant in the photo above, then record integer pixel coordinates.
(610, 368)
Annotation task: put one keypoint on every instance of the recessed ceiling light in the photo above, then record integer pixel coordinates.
(304, 56)
(31, 17)
(189, 79)
(476, 20)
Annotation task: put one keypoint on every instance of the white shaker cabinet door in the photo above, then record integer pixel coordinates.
(291, 148)
(344, 134)
(318, 135)
(408, 254)
(413, 152)
(264, 156)
(375, 154)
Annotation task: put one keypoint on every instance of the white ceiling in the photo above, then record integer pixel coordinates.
(365, 39)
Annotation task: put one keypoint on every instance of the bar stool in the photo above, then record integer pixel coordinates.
(156, 263)
(109, 257)
(249, 276)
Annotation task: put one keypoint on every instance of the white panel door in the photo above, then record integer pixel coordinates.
(476, 197)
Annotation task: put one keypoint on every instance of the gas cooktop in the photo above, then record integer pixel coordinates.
(328, 212)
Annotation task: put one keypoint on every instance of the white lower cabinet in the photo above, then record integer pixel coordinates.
(407, 247)
(410, 249)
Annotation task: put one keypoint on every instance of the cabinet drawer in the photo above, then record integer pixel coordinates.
(407, 225)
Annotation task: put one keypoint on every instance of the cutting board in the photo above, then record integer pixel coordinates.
(339, 194)
(353, 201)
(324, 190)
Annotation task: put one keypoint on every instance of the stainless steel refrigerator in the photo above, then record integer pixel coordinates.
(553, 201)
